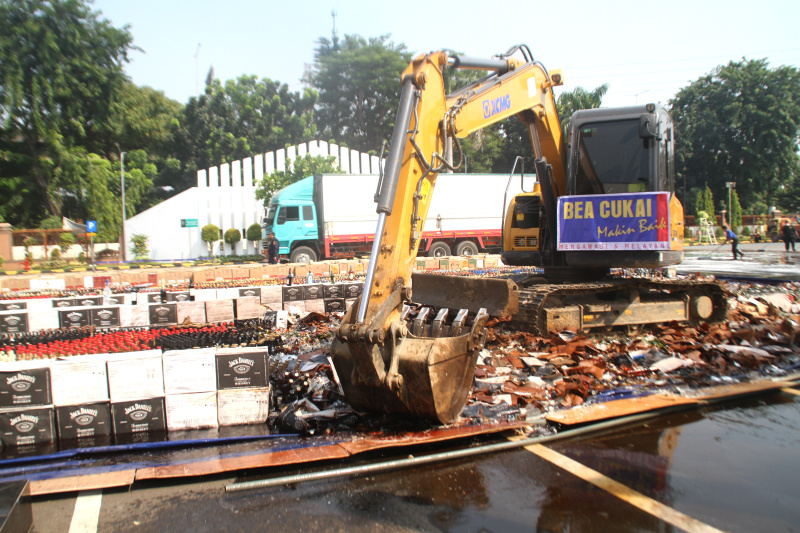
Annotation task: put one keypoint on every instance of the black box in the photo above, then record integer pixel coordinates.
(117, 299)
(163, 314)
(353, 290)
(74, 318)
(25, 387)
(181, 296)
(85, 420)
(333, 290)
(26, 426)
(249, 292)
(140, 437)
(105, 317)
(312, 292)
(293, 293)
(14, 323)
(335, 305)
(88, 301)
(13, 306)
(63, 302)
(154, 298)
(94, 441)
(242, 368)
(139, 416)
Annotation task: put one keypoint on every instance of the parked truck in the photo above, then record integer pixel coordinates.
(329, 216)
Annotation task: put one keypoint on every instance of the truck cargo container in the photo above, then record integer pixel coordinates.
(331, 216)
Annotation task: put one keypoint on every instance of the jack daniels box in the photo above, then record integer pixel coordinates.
(14, 323)
(105, 317)
(74, 318)
(13, 306)
(163, 314)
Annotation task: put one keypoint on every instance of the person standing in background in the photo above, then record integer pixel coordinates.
(734, 240)
(788, 235)
(273, 248)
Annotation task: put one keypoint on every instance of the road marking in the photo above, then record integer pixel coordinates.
(791, 391)
(645, 503)
(87, 512)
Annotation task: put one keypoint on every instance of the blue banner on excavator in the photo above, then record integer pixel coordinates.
(632, 221)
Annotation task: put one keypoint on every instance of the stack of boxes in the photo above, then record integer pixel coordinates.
(94, 400)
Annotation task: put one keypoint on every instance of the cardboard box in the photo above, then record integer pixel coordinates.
(86, 420)
(249, 307)
(132, 316)
(353, 290)
(74, 318)
(14, 322)
(105, 317)
(298, 307)
(14, 305)
(88, 301)
(138, 416)
(272, 293)
(79, 379)
(25, 387)
(236, 407)
(242, 367)
(228, 294)
(194, 311)
(332, 290)
(163, 314)
(43, 319)
(135, 375)
(181, 296)
(205, 295)
(293, 293)
(27, 426)
(312, 292)
(189, 371)
(63, 302)
(250, 292)
(195, 410)
(219, 311)
(315, 306)
(335, 305)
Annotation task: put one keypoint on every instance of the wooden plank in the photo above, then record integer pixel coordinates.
(120, 478)
(630, 406)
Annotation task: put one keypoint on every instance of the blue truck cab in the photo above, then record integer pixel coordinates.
(292, 215)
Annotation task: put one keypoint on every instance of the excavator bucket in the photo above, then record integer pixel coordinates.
(499, 296)
(422, 366)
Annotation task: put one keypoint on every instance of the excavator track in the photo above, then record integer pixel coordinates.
(544, 308)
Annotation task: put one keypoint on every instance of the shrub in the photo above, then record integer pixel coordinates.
(232, 236)
(55, 254)
(139, 249)
(65, 240)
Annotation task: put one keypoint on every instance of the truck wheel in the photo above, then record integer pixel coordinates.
(439, 249)
(467, 248)
(303, 254)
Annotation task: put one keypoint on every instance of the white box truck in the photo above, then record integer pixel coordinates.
(332, 216)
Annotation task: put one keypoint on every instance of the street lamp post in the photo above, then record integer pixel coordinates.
(122, 178)
(730, 185)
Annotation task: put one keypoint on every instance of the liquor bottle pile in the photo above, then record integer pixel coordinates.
(51, 344)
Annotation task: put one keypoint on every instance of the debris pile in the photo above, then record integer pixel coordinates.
(521, 375)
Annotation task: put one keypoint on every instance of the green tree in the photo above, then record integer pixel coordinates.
(210, 234)
(740, 123)
(139, 248)
(579, 98)
(233, 236)
(358, 81)
(65, 240)
(235, 120)
(302, 167)
(253, 235)
(736, 210)
(59, 68)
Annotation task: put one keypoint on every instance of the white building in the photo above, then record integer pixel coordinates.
(226, 197)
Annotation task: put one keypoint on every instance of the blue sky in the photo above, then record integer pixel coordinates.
(645, 50)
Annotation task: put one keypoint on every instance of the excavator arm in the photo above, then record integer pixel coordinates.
(400, 358)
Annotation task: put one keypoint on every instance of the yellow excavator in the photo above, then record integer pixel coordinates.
(603, 200)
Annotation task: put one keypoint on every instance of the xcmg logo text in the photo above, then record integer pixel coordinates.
(498, 105)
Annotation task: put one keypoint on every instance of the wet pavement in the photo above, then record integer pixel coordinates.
(732, 467)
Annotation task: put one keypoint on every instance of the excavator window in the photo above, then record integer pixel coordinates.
(612, 158)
